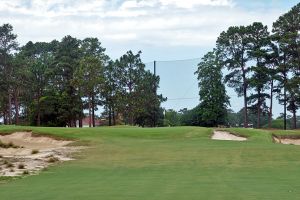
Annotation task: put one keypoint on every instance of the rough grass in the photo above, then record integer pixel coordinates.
(164, 163)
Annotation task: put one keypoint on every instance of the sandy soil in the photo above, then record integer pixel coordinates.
(33, 153)
(287, 141)
(223, 135)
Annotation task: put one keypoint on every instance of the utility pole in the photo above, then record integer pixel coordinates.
(154, 113)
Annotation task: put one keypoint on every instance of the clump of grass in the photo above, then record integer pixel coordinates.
(8, 145)
(3, 145)
(21, 166)
(34, 151)
(9, 165)
(11, 145)
(25, 172)
(5, 162)
(53, 160)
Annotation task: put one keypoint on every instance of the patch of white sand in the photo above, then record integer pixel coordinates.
(16, 161)
(287, 141)
(223, 135)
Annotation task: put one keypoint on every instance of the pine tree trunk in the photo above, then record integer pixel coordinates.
(80, 122)
(245, 107)
(284, 88)
(284, 107)
(5, 117)
(258, 109)
(81, 115)
(294, 119)
(130, 113)
(38, 120)
(109, 115)
(271, 106)
(9, 110)
(16, 107)
(93, 111)
(90, 115)
(114, 116)
(245, 96)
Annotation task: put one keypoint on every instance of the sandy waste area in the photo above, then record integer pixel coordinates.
(223, 135)
(287, 141)
(30, 154)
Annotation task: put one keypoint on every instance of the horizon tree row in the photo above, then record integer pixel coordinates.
(261, 65)
(52, 83)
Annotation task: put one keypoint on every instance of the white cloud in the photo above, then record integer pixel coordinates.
(176, 3)
(193, 3)
(143, 22)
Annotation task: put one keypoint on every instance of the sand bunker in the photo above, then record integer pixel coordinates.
(223, 135)
(32, 153)
(293, 141)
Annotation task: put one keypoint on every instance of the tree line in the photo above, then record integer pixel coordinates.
(261, 65)
(52, 83)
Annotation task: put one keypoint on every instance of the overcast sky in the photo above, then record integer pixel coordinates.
(178, 28)
(162, 29)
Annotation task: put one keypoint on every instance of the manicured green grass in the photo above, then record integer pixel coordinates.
(164, 163)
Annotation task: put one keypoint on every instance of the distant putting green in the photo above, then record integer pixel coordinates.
(181, 163)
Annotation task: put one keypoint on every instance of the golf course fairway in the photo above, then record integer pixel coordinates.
(181, 163)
